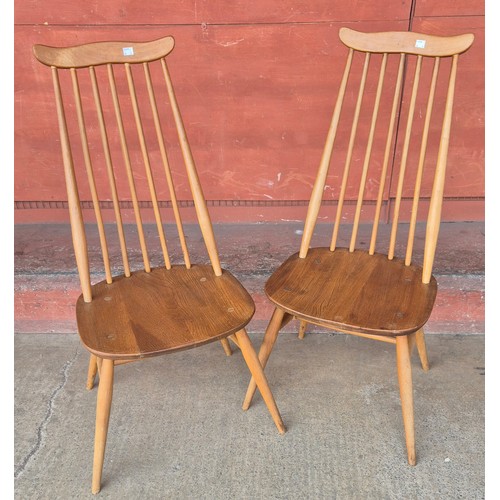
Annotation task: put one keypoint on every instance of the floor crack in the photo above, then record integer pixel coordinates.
(50, 410)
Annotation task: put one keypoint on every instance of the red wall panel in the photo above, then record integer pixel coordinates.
(256, 83)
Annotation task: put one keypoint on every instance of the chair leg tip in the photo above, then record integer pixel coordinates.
(281, 429)
(412, 460)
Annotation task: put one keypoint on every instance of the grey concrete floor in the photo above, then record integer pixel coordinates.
(177, 430)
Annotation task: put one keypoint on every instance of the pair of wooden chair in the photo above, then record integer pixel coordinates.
(113, 94)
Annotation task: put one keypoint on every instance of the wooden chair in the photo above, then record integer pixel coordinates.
(358, 290)
(132, 315)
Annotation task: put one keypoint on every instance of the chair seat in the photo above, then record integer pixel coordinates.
(353, 291)
(164, 310)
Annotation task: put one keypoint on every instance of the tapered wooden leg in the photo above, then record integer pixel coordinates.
(422, 349)
(226, 346)
(257, 372)
(99, 364)
(406, 392)
(92, 372)
(411, 342)
(302, 329)
(104, 396)
(265, 350)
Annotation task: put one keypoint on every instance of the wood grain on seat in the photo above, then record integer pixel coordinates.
(353, 291)
(165, 310)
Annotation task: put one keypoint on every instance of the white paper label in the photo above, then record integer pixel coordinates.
(128, 51)
(420, 44)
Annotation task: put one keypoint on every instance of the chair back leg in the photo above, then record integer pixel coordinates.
(270, 336)
(422, 349)
(255, 367)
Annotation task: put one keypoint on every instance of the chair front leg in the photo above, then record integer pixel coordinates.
(406, 393)
(104, 397)
(258, 375)
(270, 336)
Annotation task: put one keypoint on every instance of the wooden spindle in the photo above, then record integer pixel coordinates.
(385, 163)
(366, 163)
(421, 161)
(319, 184)
(147, 164)
(404, 157)
(194, 182)
(128, 168)
(109, 170)
(436, 203)
(350, 148)
(90, 174)
(75, 211)
(166, 166)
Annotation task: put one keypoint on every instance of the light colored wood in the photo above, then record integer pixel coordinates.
(92, 372)
(166, 166)
(226, 347)
(270, 337)
(350, 148)
(258, 375)
(194, 182)
(75, 211)
(434, 217)
(404, 158)
(421, 161)
(233, 339)
(411, 342)
(319, 184)
(422, 349)
(124, 361)
(366, 163)
(302, 329)
(406, 42)
(99, 365)
(406, 393)
(147, 165)
(387, 152)
(109, 170)
(90, 174)
(104, 397)
(94, 54)
(128, 168)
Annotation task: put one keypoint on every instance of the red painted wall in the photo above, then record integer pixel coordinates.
(256, 83)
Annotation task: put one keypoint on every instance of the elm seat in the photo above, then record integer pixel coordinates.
(354, 291)
(148, 314)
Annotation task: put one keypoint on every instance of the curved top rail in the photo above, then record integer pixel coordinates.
(94, 54)
(408, 42)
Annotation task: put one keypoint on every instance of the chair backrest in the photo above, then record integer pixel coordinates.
(109, 96)
(371, 107)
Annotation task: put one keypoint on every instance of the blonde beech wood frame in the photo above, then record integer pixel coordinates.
(362, 292)
(136, 314)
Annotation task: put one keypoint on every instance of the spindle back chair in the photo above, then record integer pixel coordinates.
(112, 101)
(357, 290)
